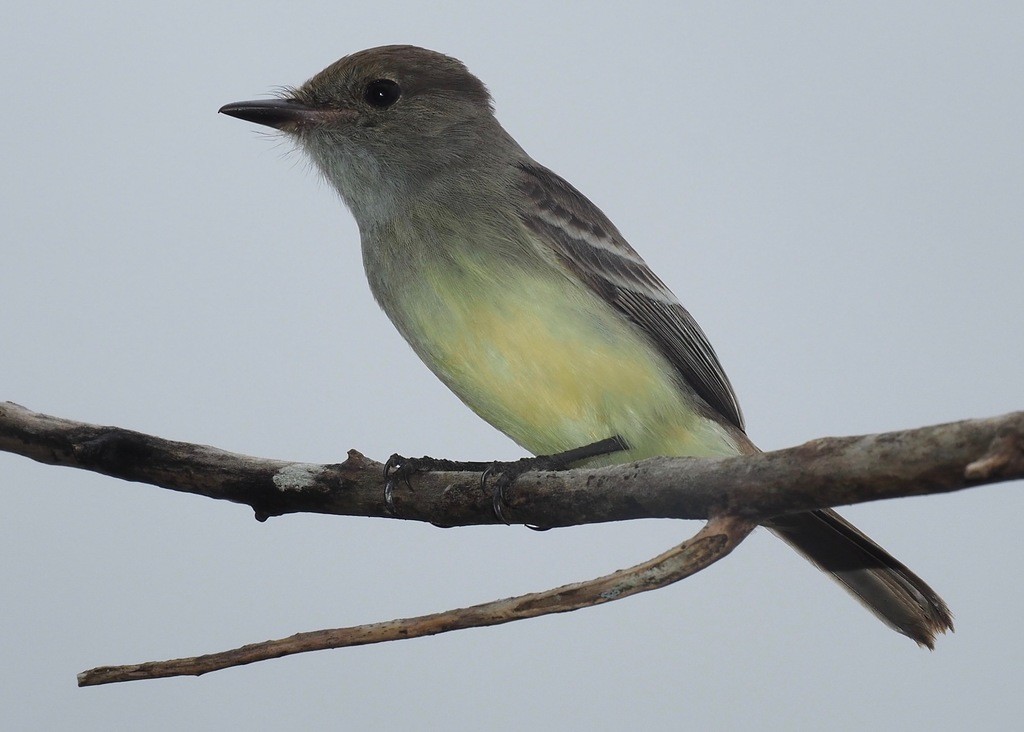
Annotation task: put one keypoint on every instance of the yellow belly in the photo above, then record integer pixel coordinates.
(553, 367)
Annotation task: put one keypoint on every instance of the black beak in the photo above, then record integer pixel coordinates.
(277, 113)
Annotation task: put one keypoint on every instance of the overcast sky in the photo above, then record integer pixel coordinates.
(836, 194)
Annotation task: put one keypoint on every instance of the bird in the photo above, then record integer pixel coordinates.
(527, 302)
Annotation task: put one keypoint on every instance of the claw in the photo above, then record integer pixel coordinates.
(497, 496)
(393, 463)
(389, 497)
(391, 470)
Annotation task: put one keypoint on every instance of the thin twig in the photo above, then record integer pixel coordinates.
(718, 537)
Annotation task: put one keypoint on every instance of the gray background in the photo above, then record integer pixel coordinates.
(835, 193)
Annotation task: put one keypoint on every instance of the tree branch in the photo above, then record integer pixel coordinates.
(826, 472)
(718, 537)
(734, 494)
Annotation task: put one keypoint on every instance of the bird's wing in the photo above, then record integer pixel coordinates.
(587, 243)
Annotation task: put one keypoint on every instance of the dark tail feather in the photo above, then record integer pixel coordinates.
(868, 572)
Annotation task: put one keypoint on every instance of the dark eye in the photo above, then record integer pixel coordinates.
(382, 93)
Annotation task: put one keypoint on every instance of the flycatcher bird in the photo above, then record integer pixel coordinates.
(527, 302)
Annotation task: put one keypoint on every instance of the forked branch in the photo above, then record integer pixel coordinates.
(732, 494)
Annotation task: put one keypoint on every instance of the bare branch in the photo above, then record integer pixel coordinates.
(734, 494)
(826, 472)
(718, 537)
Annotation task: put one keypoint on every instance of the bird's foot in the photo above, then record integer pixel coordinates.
(399, 468)
(511, 471)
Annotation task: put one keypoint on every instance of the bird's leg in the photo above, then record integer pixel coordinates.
(558, 461)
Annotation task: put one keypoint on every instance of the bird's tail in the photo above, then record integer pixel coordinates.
(891, 591)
